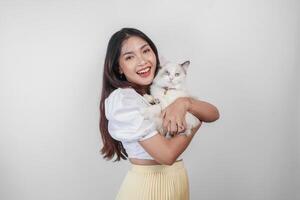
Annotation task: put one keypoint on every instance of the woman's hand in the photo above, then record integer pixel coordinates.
(174, 116)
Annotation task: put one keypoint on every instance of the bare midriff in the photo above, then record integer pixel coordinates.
(137, 161)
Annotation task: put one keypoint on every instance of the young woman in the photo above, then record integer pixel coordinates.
(157, 171)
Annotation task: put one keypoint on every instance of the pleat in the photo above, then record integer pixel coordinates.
(155, 182)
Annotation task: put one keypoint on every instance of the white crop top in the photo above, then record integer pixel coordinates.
(126, 124)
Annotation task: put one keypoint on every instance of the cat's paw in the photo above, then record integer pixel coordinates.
(149, 98)
(156, 101)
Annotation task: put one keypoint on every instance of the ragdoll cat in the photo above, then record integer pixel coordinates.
(167, 86)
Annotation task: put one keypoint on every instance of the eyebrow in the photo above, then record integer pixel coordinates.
(129, 52)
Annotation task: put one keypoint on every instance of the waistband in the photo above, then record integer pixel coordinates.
(158, 168)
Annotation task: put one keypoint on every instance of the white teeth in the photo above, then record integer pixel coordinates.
(145, 70)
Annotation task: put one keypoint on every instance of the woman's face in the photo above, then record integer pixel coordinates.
(137, 61)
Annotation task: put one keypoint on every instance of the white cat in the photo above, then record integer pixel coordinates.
(168, 85)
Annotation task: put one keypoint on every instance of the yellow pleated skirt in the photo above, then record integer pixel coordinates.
(155, 182)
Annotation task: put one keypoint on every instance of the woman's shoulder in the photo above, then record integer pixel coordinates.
(121, 97)
(123, 100)
(121, 93)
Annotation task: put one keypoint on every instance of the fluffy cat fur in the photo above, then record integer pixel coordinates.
(168, 85)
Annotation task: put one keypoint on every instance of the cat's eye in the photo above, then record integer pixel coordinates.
(177, 74)
(167, 72)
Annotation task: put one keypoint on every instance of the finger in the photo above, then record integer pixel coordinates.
(181, 128)
(173, 127)
(163, 113)
(184, 124)
(165, 128)
(165, 124)
(171, 133)
(179, 125)
(169, 128)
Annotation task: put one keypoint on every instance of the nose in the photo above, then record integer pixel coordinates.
(141, 60)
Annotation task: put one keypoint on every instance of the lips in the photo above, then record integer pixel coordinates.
(144, 70)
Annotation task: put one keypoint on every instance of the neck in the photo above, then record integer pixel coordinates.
(142, 89)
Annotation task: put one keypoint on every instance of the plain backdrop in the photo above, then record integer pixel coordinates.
(244, 60)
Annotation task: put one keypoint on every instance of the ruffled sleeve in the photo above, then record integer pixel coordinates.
(125, 122)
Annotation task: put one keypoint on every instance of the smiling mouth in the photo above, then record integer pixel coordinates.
(144, 71)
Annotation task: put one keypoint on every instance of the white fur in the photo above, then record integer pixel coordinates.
(162, 99)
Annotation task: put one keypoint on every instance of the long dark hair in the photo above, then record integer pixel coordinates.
(112, 80)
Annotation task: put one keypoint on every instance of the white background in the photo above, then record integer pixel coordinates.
(244, 59)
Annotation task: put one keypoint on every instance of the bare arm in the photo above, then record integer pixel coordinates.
(174, 113)
(166, 151)
(204, 111)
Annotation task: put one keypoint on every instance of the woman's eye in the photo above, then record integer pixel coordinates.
(176, 74)
(129, 57)
(147, 50)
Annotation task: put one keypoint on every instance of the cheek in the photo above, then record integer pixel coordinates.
(122, 65)
(127, 67)
(152, 57)
(178, 79)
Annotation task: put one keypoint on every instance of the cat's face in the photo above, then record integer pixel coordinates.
(171, 74)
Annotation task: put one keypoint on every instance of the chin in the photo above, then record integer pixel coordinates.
(146, 82)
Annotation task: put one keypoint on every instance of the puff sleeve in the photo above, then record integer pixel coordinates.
(125, 123)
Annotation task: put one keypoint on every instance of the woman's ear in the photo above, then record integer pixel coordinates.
(120, 70)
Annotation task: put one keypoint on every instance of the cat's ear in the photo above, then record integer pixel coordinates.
(185, 65)
(163, 61)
